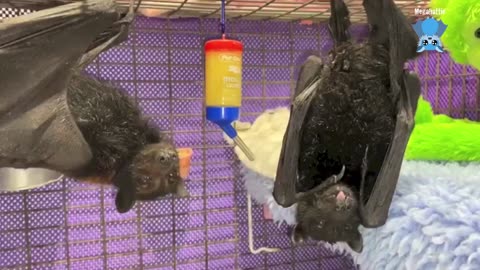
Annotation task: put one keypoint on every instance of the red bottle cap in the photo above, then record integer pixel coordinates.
(223, 45)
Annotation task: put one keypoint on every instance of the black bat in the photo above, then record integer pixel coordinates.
(127, 151)
(350, 121)
(52, 117)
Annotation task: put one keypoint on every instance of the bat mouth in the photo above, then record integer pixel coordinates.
(342, 196)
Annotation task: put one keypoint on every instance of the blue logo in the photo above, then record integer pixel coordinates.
(429, 31)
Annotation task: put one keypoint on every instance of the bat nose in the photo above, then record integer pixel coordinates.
(164, 156)
(341, 196)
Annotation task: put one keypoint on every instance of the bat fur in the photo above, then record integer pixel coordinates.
(120, 137)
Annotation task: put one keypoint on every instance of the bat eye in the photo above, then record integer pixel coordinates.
(434, 42)
(425, 42)
(477, 33)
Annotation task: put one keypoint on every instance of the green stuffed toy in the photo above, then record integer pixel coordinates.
(442, 138)
(462, 35)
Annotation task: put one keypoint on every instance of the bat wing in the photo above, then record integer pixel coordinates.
(38, 54)
(284, 190)
(392, 30)
(32, 5)
(374, 207)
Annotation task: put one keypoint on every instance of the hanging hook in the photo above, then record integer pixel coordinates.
(250, 232)
(222, 19)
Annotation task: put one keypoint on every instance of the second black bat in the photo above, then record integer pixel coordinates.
(350, 122)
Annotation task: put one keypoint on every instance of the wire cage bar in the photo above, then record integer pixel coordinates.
(286, 10)
(68, 225)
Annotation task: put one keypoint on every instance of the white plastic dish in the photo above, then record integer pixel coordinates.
(12, 179)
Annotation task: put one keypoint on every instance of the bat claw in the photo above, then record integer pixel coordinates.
(339, 176)
(329, 181)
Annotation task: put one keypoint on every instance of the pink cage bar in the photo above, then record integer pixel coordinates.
(67, 225)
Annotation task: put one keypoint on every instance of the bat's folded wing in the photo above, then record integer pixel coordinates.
(374, 212)
(284, 190)
(38, 54)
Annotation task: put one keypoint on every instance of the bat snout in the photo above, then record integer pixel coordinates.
(166, 155)
(341, 197)
(342, 201)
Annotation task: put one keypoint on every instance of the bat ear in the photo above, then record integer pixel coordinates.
(356, 244)
(125, 198)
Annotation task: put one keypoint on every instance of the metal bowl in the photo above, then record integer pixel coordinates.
(12, 179)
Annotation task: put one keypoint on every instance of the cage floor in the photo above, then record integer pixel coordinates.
(67, 225)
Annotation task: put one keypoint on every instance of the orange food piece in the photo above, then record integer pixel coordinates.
(185, 157)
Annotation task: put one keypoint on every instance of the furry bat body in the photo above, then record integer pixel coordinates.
(51, 117)
(126, 150)
(350, 122)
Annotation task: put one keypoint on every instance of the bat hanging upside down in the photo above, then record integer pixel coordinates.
(350, 122)
(53, 117)
(127, 151)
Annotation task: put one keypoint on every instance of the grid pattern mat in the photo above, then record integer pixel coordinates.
(67, 225)
(317, 10)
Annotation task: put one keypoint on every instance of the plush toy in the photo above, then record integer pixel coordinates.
(441, 138)
(462, 36)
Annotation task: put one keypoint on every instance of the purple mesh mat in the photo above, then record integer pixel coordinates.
(67, 225)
